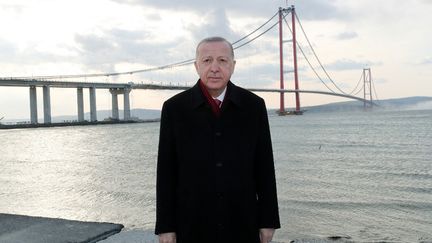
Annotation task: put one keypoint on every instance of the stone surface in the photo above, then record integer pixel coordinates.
(19, 229)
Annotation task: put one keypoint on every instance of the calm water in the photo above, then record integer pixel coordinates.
(366, 176)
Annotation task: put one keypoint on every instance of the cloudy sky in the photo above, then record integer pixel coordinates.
(55, 37)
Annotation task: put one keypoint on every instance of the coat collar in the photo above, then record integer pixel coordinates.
(232, 95)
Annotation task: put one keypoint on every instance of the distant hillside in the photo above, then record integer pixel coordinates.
(409, 103)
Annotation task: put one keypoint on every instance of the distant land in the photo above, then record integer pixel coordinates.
(409, 103)
(144, 114)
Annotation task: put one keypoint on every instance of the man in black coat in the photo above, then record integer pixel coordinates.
(215, 170)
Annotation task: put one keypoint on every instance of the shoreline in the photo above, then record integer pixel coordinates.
(67, 124)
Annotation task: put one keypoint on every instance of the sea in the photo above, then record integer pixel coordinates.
(344, 176)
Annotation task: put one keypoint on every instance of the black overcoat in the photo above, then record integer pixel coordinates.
(215, 175)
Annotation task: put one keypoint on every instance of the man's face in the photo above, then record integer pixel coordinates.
(214, 64)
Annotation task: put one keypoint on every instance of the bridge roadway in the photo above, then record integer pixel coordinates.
(16, 82)
(131, 85)
(115, 89)
(173, 87)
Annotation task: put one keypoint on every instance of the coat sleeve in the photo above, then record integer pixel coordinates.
(166, 176)
(268, 212)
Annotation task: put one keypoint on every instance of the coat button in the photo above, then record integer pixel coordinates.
(219, 164)
(218, 134)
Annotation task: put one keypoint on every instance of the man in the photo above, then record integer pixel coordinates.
(215, 172)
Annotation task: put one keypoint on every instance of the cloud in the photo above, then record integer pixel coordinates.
(426, 61)
(215, 23)
(31, 54)
(379, 80)
(201, 7)
(320, 10)
(12, 7)
(346, 35)
(8, 51)
(347, 64)
(102, 52)
(310, 10)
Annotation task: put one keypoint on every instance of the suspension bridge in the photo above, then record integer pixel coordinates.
(364, 84)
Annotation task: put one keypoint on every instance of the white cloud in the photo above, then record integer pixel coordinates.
(426, 61)
(8, 51)
(347, 35)
(348, 64)
(213, 23)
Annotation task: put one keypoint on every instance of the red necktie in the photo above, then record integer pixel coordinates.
(218, 102)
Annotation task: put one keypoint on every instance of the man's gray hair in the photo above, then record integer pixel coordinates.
(215, 39)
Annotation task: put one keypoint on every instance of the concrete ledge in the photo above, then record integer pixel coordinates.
(19, 229)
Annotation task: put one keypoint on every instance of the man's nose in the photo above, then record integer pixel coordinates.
(214, 67)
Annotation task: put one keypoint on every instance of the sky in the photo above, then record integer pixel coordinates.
(57, 37)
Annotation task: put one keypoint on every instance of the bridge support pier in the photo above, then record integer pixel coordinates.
(126, 102)
(114, 98)
(93, 111)
(47, 104)
(80, 104)
(33, 105)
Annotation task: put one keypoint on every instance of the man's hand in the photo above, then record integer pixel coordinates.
(266, 235)
(167, 238)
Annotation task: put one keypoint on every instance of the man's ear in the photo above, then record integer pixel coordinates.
(196, 66)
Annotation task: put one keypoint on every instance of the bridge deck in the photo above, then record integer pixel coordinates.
(60, 84)
(101, 85)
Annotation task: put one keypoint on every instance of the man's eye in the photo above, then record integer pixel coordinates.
(206, 60)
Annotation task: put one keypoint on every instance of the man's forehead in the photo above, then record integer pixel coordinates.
(214, 46)
(214, 52)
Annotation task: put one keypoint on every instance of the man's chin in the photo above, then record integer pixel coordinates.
(214, 84)
(215, 87)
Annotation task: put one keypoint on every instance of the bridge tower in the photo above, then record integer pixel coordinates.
(282, 110)
(367, 88)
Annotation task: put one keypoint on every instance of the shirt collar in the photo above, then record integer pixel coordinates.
(222, 95)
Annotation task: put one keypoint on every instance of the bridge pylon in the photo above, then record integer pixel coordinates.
(367, 88)
(282, 111)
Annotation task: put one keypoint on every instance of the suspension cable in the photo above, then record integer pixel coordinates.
(256, 37)
(310, 64)
(373, 86)
(256, 29)
(358, 83)
(360, 90)
(316, 56)
(177, 64)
